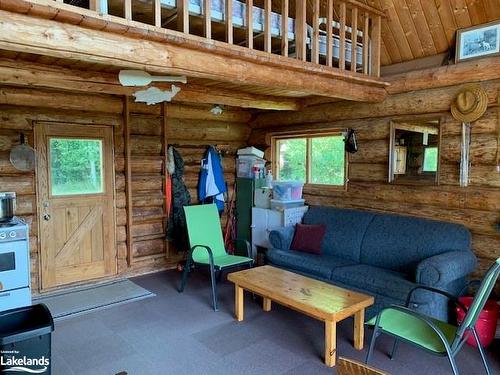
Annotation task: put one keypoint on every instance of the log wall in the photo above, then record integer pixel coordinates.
(477, 206)
(191, 127)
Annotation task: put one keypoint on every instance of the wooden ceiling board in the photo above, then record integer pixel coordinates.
(477, 12)
(410, 31)
(492, 8)
(384, 56)
(397, 30)
(422, 27)
(415, 29)
(461, 13)
(436, 29)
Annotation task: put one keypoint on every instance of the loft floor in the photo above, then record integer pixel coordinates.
(176, 333)
(56, 30)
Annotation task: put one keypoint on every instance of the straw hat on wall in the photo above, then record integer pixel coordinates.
(470, 104)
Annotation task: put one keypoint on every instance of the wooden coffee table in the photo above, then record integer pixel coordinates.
(318, 299)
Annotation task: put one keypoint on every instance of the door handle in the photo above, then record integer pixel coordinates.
(46, 217)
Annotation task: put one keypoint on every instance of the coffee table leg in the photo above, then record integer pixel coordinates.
(238, 302)
(266, 304)
(359, 329)
(330, 343)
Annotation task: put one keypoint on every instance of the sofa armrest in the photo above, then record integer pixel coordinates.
(441, 269)
(282, 238)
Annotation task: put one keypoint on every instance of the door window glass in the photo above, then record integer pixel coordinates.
(76, 166)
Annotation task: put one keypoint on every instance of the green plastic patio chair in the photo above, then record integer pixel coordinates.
(433, 335)
(207, 246)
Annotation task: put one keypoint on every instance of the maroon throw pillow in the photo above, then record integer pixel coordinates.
(308, 238)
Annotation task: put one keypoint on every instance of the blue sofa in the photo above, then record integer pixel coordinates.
(382, 255)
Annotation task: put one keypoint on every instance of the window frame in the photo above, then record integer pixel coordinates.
(276, 137)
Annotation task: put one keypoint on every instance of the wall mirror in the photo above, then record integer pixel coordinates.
(414, 151)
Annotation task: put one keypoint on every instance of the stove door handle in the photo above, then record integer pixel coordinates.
(46, 217)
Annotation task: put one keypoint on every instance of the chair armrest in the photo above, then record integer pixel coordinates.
(208, 249)
(450, 296)
(282, 238)
(247, 244)
(441, 269)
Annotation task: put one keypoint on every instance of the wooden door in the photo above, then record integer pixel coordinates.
(75, 179)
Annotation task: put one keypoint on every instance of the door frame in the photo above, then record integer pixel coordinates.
(39, 203)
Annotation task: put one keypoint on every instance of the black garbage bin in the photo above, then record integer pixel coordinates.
(25, 340)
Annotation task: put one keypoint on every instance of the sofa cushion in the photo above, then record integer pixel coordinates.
(375, 280)
(318, 265)
(308, 238)
(399, 243)
(344, 229)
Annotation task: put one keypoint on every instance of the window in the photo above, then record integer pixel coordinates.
(314, 160)
(430, 159)
(76, 166)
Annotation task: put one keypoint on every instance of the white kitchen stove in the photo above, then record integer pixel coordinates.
(15, 288)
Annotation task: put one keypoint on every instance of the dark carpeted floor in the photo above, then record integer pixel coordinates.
(180, 334)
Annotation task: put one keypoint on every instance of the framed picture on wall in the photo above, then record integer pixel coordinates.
(478, 41)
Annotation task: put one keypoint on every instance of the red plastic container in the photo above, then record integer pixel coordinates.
(486, 324)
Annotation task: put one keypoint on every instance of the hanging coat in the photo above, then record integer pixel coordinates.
(211, 187)
(176, 230)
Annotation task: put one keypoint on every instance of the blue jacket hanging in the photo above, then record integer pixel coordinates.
(212, 185)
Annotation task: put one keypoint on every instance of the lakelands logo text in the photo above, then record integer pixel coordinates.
(24, 364)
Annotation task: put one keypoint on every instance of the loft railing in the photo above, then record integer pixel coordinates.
(344, 34)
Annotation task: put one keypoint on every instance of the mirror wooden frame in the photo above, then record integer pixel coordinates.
(412, 125)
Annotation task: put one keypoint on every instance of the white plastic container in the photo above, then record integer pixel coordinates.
(251, 151)
(246, 165)
(262, 197)
(287, 190)
(284, 205)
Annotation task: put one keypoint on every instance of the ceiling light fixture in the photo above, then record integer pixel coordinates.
(217, 109)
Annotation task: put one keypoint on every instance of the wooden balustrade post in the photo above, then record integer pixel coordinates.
(157, 12)
(284, 27)
(366, 44)
(354, 39)
(249, 16)
(329, 33)
(342, 36)
(128, 9)
(228, 15)
(300, 29)
(315, 36)
(183, 16)
(267, 26)
(207, 8)
(376, 42)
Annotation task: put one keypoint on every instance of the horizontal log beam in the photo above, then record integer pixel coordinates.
(166, 52)
(410, 103)
(16, 72)
(480, 70)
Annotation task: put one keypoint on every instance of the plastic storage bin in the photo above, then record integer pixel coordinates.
(287, 190)
(246, 165)
(283, 205)
(25, 339)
